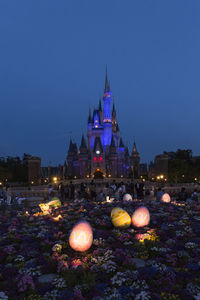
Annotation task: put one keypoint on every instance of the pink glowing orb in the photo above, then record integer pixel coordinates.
(127, 197)
(141, 217)
(165, 198)
(81, 236)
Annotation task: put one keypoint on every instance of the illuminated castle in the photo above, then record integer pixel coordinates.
(105, 154)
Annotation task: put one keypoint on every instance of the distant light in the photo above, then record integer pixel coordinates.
(195, 179)
(161, 176)
(55, 179)
(0, 183)
(32, 182)
(97, 152)
(109, 175)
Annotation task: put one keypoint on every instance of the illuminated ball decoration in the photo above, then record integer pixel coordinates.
(55, 202)
(120, 218)
(81, 236)
(127, 197)
(166, 198)
(141, 217)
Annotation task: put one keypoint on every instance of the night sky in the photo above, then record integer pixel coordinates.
(53, 56)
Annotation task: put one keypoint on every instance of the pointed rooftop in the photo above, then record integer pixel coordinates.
(113, 109)
(121, 144)
(70, 146)
(100, 107)
(89, 117)
(107, 85)
(83, 143)
(126, 151)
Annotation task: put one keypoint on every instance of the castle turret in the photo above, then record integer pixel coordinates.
(89, 132)
(72, 160)
(107, 119)
(135, 161)
(83, 158)
(113, 161)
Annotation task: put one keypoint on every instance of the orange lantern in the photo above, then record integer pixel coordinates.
(165, 198)
(141, 217)
(81, 237)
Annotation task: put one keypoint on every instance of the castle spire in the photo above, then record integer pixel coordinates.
(89, 117)
(112, 142)
(83, 143)
(100, 108)
(134, 148)
(107, 85)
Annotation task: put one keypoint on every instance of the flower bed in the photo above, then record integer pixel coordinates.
(161, 261)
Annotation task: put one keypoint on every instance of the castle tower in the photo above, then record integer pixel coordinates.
(107, 119)
(113, 159)
(89, 131)
(135, 161)
(83, 158)
(98, 158)
(72, 161)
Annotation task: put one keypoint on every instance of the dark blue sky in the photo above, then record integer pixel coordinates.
(52, 65)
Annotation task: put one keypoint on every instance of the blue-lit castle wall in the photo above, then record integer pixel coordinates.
(104, 154)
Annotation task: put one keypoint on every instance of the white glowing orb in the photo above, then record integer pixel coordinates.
(127, 197)
(166, 198)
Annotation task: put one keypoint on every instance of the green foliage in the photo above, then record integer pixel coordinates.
(78, 276)
(182, 167)
(13, 169)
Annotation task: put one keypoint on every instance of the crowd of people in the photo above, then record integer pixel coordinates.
(96, 191)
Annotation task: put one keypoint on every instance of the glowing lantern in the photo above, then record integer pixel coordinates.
(127, 197)
(141, 217)
(81, 236)
(44, 208)
(120, 218)
(55, 202)
(59, 217)
(165, 198)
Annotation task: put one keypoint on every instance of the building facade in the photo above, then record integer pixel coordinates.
(104, 154)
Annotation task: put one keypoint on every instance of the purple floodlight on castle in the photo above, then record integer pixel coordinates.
(104, 155)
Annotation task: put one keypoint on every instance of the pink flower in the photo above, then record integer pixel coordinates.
(75, 263)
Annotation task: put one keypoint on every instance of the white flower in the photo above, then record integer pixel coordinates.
(138, 284)
(143, 296)
(109, 266)
(3, 296)
(57, 247)
(51, 295)
(31, 271)
(59, 283)
(197, 297)
(19, 258)
(190, 245)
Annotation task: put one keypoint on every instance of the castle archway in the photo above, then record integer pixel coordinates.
(98, 174)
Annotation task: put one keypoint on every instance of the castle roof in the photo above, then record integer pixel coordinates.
(121, 144)
(83, 143)
(107, 84)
